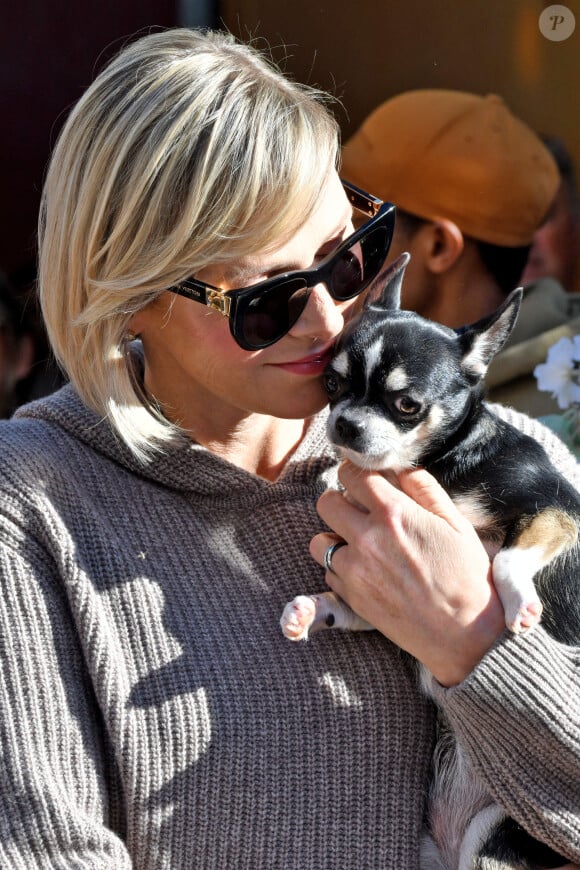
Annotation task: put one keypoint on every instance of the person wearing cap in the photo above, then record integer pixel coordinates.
(472, 183)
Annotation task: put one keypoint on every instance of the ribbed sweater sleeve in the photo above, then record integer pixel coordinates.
(518, 713)
(518, 717)
(55, 770)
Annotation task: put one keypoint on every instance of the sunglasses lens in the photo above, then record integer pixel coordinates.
(262, 319)
(358, 265)
(269, 316)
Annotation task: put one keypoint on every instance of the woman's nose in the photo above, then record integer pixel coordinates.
(322, 317)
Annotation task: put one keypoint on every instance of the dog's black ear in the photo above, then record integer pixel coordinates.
(385, 291)
(482, 340)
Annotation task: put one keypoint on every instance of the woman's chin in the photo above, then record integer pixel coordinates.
(303, 406)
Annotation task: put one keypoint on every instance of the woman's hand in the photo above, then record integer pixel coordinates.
(414, 568)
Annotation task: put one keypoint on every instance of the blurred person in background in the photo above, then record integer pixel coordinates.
(555, 250)
(473, 184)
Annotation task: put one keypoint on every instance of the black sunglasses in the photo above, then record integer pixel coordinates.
(263, 313)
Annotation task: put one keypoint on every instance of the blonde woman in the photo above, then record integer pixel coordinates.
(197, 263)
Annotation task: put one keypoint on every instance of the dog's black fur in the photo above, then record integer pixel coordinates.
(404, 391)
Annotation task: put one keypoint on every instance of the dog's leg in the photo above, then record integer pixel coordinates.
(513, 573)
(476, 835)
(535, 543)
(306, 614)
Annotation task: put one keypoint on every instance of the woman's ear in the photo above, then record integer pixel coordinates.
(135, 325)
(446, 244)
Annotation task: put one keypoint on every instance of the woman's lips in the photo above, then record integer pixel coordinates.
(313, 364)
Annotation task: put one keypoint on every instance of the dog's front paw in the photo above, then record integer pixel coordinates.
(298, 617)
(523, 615)
(513, 573)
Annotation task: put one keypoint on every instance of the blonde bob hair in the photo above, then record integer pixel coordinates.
(189, 149)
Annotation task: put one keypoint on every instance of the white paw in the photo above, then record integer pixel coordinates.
(513, 573)
(523, 615)
(298, 617)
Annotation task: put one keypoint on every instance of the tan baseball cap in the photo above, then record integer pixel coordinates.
(460, 156)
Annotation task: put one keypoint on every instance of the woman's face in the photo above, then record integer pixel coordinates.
(193, 365)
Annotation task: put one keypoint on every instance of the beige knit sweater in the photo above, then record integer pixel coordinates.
(153, 715)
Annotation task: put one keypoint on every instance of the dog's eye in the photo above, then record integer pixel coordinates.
(331, 383)
(407, 406)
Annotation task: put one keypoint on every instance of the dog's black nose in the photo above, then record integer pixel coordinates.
(347, 430)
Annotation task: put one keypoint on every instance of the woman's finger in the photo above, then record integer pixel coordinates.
(369, 489)
(422, 487)
(319, 547)
(344, 516)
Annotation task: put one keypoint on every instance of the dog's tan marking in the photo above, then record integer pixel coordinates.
(434, 420)
(552, 531)
(538, 541)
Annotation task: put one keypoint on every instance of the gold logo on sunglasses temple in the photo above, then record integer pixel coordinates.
(218, 301)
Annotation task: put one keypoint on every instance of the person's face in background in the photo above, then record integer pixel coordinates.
(556, 244)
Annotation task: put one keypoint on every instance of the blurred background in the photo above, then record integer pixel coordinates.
(362, 52)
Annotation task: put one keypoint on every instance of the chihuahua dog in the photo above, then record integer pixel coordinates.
(405, 392)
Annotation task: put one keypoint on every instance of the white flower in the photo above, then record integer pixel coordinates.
(560, 373)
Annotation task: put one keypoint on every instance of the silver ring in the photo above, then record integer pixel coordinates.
(330, 553)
